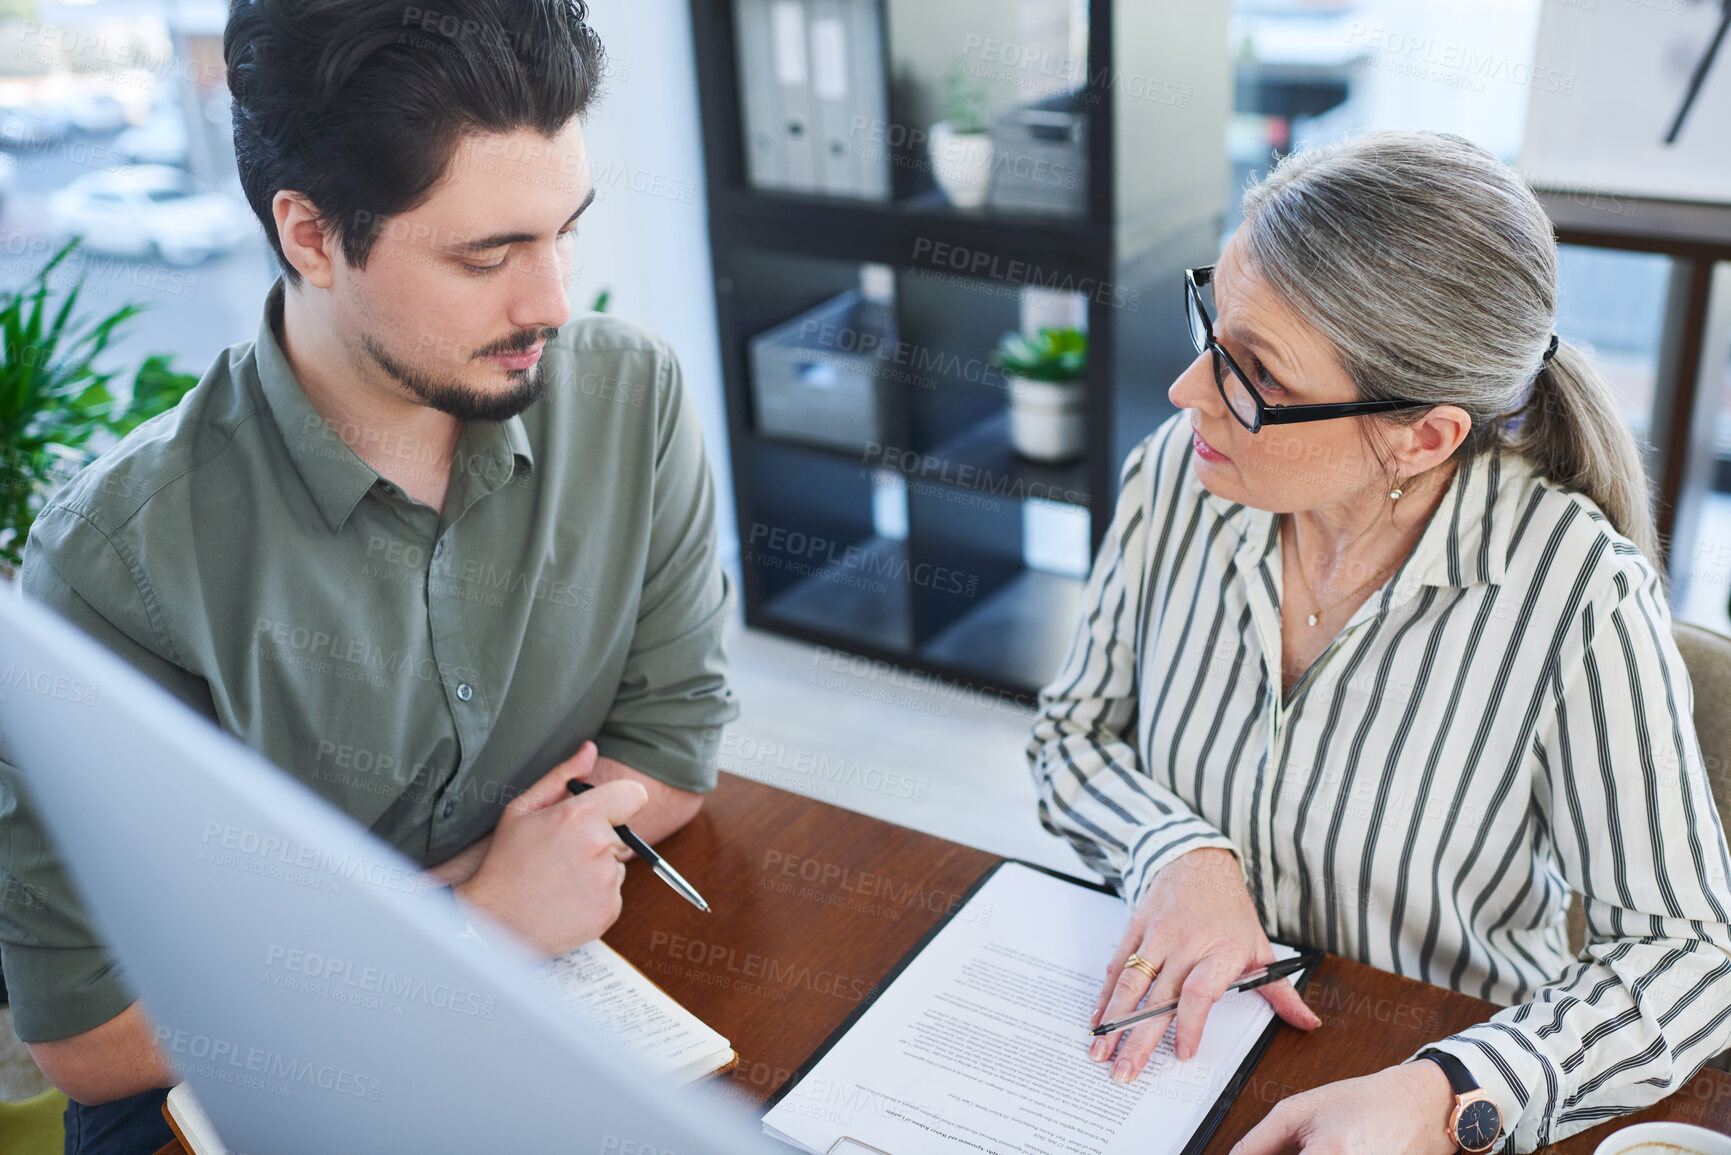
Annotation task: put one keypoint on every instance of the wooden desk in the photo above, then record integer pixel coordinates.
(815, 904)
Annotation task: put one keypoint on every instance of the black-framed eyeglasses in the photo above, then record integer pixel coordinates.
(1242, 399)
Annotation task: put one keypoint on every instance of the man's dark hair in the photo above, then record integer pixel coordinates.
(360, 104)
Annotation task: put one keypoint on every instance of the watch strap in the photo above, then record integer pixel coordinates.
(1456, 1071)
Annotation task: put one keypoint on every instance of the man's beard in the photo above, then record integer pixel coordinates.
(462, 401)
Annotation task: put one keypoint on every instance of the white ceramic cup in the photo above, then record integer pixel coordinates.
(1665, 1139)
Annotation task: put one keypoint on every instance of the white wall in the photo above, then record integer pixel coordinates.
(646, 239)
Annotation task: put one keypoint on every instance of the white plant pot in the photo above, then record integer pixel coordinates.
(1048, 420)
(962, 164)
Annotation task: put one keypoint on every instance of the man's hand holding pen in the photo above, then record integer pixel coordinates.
(553, 871)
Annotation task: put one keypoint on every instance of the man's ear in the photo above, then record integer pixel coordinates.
(305, 243)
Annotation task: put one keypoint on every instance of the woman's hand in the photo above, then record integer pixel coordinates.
(1401, 1110)
(1197, 926)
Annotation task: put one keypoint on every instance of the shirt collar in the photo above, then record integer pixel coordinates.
(517, 441)
(1466, 542)
(334, 474)
(489, 454)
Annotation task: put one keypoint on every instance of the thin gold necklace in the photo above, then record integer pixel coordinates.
(1317, 611)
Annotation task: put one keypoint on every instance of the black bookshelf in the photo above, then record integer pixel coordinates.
(955, 596)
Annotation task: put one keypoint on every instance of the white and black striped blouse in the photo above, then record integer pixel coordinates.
(1505, 721)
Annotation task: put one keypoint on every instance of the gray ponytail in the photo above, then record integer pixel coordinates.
(1574, 432)
(1432, 269)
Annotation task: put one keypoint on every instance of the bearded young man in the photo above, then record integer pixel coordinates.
(428, 543)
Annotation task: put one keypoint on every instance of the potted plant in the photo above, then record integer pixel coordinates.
(961, 144)
(1048, 393)
(56, 409)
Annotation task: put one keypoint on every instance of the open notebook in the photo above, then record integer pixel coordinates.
(606, 990)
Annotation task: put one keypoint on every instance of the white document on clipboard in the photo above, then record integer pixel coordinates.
(981, 1043)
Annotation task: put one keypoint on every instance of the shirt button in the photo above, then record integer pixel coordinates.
(439, 548)
(464, 693)
(450, 808)
(387, 488)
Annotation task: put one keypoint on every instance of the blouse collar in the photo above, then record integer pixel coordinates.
(1466, 542)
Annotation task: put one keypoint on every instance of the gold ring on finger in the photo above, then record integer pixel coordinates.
(1142, 965)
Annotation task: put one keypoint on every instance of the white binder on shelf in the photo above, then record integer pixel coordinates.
(787, 30)
(871, 101)
(832, 90)
(760, 98)
(847, 81)
(814, 96)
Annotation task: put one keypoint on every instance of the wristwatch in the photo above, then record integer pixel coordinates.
(1475, 1123)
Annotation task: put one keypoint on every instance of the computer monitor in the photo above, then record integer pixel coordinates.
(299, 973)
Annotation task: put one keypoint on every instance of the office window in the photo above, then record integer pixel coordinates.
(1706, 572)
(1309, 73)
(1612, 304)
(112, 116)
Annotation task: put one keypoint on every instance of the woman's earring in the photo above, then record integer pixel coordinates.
(1394, 494)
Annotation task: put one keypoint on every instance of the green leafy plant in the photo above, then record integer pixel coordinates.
(1049, 355)
(56, 408)
(966, 104)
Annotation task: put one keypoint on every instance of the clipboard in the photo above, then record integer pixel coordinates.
(1205, 1129)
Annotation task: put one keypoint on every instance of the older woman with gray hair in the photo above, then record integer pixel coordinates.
(1377, 658)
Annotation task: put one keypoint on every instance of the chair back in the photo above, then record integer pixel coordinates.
(1708, 656)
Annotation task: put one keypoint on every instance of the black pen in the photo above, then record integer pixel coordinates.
(656, 863)
(1260, 977)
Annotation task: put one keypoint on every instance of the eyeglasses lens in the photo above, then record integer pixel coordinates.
(1232, 386)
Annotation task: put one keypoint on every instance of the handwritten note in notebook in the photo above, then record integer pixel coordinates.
(623, 1001)
(981, 1044)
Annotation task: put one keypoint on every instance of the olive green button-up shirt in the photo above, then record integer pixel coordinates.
(416, 668)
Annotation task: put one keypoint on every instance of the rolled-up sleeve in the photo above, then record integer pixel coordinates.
(60, 979)
(673, 696)
(1093, 789)
(1629, 810)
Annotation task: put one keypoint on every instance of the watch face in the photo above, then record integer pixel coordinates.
(1478, 1125)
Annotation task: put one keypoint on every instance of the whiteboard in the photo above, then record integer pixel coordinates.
(1619, 71)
